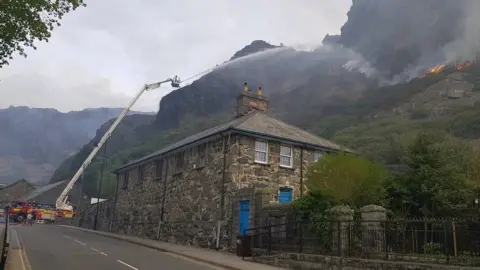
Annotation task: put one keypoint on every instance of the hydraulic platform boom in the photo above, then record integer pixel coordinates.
(61, 202)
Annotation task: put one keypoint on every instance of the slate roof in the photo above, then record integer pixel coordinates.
(41, 190)
(254, 124)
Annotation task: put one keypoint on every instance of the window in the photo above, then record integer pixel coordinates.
(202, 153)
(286, 156)
(179, 160)
(261, 152)
(317, 156)
(125, 180)
(141, 174)
(285, 195)
(158, 169)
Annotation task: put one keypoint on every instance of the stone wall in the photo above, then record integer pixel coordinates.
(86, 217)
(310, 262)
(177, 197)
(247, 173)
(188, 193)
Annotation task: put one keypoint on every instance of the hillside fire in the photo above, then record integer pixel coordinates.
(440, 68)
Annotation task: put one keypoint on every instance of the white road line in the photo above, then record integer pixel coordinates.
(16, 238)
(83, 244)
(128, 265)
(22, 262)
(104, 254)
(67, 236)
(23, 255)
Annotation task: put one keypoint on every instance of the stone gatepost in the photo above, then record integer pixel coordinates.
(373, 228)
(342, 219)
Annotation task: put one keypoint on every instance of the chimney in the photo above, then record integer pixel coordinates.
(245, 87)
(249, 101)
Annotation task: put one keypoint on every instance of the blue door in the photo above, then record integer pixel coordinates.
(243, 216)
(285, 195)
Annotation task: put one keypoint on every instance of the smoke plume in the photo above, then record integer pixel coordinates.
(400, 39)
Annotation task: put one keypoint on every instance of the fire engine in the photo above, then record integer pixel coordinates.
(45, 213)
(19, 210)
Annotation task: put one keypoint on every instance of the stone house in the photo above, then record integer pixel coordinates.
(206, 185)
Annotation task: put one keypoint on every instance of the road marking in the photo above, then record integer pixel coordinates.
(83, 244)
(128, 265)
(67, 236)
(23, 255)
(104, 254)
(22, 262)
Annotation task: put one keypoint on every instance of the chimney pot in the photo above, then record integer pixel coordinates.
(259, 92)
(245, 87)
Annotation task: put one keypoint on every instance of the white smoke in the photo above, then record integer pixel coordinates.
(467, 45)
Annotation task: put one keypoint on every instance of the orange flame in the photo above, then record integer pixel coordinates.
(435, 70)
(463, 66)
(440, 68)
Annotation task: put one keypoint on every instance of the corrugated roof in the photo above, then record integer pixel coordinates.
(41, 190)
(256, 123)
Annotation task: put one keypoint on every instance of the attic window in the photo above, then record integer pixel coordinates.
(261, 152)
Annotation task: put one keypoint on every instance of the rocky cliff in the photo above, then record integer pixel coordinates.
(398, 36)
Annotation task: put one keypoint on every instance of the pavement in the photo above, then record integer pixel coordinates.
(42, 247)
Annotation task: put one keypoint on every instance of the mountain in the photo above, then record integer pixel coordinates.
(398, 37)
(347, 90)
(34, 141)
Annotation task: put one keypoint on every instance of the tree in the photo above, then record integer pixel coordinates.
(24, 22)
(347, 179)
(436, 182)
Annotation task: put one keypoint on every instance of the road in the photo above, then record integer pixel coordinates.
(47, 247)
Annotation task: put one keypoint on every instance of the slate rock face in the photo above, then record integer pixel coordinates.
(394, 35)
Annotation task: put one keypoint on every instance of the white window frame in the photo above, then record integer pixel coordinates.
(290, 156)
(261, 151)
(320, 153)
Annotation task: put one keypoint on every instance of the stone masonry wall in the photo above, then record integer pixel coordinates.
(192, 188)
(247, 173)
(192, 191)
(260, 183)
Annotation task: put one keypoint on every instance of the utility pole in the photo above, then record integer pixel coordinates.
(104, 157)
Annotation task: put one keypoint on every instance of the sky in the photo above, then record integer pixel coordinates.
(104, 53)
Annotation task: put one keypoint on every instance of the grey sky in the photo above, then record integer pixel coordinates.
(103, 53)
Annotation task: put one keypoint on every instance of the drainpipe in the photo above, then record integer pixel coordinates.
(222, 188)
(114, 216)
(301, 170)
(163, 196)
